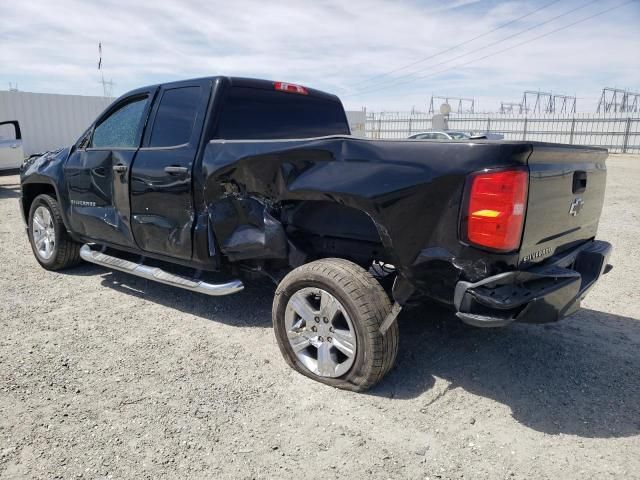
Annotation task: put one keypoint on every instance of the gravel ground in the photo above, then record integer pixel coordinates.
(106, 375)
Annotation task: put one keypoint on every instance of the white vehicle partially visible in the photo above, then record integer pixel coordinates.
(440, 135)
(454, 135)
(11, 152)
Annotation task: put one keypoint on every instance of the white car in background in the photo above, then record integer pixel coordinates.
(453, 135)
(11, 152)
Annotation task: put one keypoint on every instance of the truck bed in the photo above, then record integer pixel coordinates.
(413, 190)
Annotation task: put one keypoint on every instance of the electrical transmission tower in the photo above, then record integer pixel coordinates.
(547, 102)
(618, 101)
(564, 104)
(465, 105)
(537, 102)
(510, 107)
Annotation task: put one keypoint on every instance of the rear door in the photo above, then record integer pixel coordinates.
(97, 172)
(162, 209)
(566, 195)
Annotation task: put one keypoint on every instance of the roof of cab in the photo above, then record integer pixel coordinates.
(235, 82)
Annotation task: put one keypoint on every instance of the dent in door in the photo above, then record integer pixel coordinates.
(162, 233)
(98, 197)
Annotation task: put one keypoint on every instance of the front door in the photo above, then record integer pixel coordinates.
(162, 208)
(97, 172)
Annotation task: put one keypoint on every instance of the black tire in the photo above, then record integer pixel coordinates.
(367, 305)
(66, 252)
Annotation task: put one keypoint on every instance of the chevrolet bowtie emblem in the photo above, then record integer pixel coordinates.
(576, 206)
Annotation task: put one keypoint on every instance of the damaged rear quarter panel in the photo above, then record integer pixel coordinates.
(410, 189)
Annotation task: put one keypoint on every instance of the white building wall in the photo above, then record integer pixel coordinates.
(357, 122)
(49, 121)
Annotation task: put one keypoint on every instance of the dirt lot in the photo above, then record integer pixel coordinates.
(106, 375)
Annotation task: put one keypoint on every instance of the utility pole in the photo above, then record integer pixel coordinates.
(107, 86)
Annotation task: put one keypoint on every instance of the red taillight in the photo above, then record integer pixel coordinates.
(495, 214)
(290, 88)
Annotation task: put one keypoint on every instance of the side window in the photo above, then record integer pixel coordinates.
(175, 117)
(9, 131)
(122, 128)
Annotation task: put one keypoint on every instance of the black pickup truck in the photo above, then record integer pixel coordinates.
(244, 177)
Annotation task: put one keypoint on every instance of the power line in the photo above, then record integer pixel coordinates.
(499, 51)
(508, 37)
(456, 46)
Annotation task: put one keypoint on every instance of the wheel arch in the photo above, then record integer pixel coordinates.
(31, 189)
(336, 222)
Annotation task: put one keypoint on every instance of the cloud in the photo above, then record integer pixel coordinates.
(333, 45)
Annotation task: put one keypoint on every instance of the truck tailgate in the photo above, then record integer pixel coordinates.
(566, 194)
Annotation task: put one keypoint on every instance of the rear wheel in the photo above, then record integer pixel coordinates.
(327, 316)
(51, 244)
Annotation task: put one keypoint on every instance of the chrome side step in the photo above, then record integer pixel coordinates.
(158, 275)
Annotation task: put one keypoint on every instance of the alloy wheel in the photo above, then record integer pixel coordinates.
(320, 332)
(44, 233)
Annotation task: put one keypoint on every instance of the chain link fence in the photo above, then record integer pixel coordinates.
(619, 133)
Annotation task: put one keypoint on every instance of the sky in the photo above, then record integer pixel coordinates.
(381, 55)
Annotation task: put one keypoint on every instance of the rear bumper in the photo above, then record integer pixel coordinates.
(541, 294)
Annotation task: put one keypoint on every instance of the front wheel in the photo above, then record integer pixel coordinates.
(51, 244)
(327, 316)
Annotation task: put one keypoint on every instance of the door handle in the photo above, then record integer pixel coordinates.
(174, 170)
(119, 168)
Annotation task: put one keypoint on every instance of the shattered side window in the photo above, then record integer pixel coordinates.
(121, 129)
